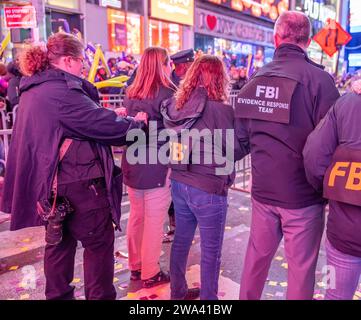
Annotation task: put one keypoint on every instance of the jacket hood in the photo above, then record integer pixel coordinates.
(187, 116)
(47, 75)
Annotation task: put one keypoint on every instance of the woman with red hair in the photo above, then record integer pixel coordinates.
(148, 184)
(199, 186)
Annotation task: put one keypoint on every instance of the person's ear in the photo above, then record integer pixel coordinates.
(276, 40)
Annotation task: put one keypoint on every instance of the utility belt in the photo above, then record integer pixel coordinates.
(342, 181)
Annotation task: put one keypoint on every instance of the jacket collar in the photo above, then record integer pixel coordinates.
(293, 51)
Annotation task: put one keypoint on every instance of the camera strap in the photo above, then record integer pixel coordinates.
(63, 150)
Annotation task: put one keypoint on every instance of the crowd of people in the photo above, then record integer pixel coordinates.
(303, 139)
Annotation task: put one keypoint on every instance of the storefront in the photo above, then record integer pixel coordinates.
(168, 21)
(319, 11)
(63, 15)
(238, 41)
(124, 31)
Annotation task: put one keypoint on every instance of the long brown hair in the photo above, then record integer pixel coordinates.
(150, 75)
(39, 58)
(206, 71)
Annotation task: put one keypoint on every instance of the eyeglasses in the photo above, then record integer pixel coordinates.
(82, 60)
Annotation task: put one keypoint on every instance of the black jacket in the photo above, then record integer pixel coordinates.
(278, 174)
(147, 175)
(55, 105)
(340, 127)
(201, 113)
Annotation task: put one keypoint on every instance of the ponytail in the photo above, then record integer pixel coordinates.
(33, 60)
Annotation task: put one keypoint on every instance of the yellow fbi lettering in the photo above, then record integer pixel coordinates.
(177, 151)
(351, 170)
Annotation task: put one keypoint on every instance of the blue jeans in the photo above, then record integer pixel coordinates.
(346, 269)
(195, 207)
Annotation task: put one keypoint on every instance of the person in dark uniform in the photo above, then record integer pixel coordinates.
(332, 158)
(182, 61)
(276, 111)
(57, 105)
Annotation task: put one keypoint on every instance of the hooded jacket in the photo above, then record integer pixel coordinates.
(55, 105)
(201, 113)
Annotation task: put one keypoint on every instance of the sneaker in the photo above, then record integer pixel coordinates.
(135, 275)
(192, 294)
(160, 278)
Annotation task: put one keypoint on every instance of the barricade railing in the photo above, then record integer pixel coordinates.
(111, 101)
(5, 137)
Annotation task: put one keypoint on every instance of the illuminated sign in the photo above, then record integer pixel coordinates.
(319, 10)
(355, 16)
(354, 59)
(265, 9)
(20, 17)
(178, 11)
(69, 4)
(221, 26)
(111, 3)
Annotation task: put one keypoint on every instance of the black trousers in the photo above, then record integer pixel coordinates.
(91, 224)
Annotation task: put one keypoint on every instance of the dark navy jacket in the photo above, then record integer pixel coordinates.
(278, 175)
(146, 175)
(55, 105)
(340, 127)
(201, 113)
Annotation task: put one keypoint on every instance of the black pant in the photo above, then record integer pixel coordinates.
(91, 224)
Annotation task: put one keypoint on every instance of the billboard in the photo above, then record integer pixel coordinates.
(355, 16)
(176, 11)
(264, 9)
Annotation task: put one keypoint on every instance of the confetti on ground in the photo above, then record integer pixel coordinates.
(358, 294)
(221, 294)
(356, 297)
(279, 294)
(124, 285)
(26, 240)
(279, 258)
(228, 228)
(24, 249)
(196, 284)
(153, 296)
(131, 295)
(193, 242)
(143, 298)
(119, 267)
(283, 284)
(78, 294)
(272, 283)
(76, 280)
(13, 268)
(120, 254)
(115, 280)
(319, 296)
(321, 284)
(24, 296)
(284, 265)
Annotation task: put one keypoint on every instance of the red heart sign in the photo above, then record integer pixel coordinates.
(211, 22)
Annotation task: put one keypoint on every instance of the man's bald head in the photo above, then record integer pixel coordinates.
(292, 27)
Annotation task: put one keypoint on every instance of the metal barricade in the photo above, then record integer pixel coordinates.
(111, 101)
(5, 136)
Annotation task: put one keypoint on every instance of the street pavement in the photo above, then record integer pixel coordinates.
(22, 276)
